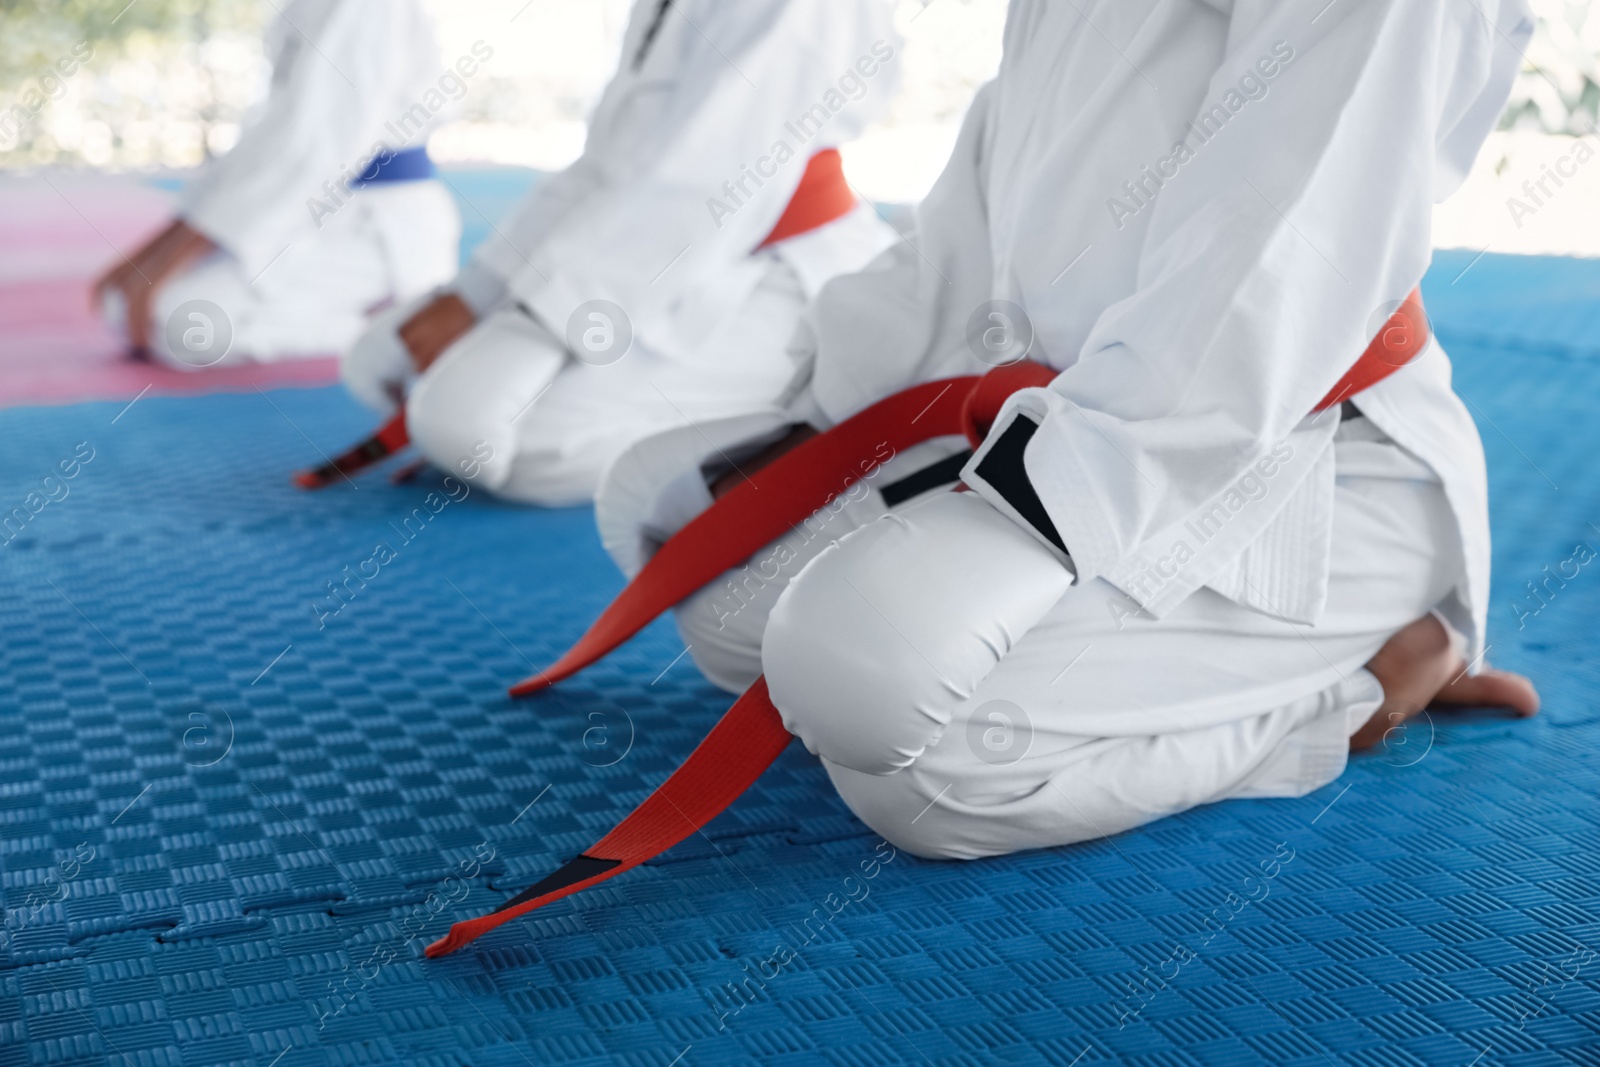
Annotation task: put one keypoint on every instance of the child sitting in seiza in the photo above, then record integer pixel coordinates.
(655, 281)
(1172, 585)
(326, 209)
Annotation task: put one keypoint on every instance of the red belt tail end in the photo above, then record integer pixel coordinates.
(742, 745)
(391, 437)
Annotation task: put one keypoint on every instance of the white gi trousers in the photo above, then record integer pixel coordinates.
(540, 426)
(389, 243)
(967, 699)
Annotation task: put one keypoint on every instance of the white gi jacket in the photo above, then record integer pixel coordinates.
(646, 219)
(1206, 209)
(345, 74)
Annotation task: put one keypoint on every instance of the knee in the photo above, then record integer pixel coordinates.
(451, 438)
(189, 329)
(375, 368)
(722, 624)
(878, 641)
(901, 809)
(725, 645)
(474, 403)
(169, 297)
(451, 417)
(726, 622)
(843, 670)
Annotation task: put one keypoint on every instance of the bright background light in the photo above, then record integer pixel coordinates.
(172, 80)
(559, 53)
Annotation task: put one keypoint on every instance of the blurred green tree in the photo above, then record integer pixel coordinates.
(169, 81)
(165, 84)
(1558, 90)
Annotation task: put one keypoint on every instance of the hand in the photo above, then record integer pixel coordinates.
(140, 276)
(435, 328)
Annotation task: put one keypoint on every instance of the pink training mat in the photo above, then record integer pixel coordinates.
(58, 231)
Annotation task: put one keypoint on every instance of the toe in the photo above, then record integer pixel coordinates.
(1493, 689)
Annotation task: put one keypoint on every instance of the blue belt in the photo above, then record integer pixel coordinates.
(406, 165)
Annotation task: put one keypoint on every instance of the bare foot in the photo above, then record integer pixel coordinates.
(1419, 666)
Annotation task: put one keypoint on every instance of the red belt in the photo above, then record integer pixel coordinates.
(822, 196)
(792, 487)
(391, 437)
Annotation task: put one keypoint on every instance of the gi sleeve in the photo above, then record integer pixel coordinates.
(323, 119)
(904, 317)
(651, 229)
(508, 249)
(1299, 220)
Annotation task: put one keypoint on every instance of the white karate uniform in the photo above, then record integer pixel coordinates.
(681, 178)
(1194, 327)
(297, 282)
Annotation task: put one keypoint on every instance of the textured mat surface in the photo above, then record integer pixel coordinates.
(234, 806)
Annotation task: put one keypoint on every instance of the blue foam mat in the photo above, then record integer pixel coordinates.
(230, 820)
